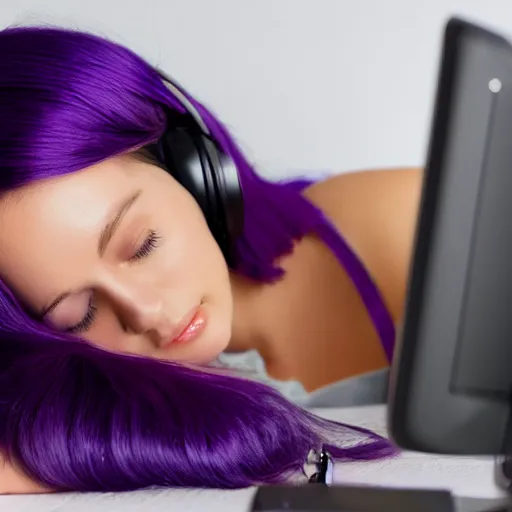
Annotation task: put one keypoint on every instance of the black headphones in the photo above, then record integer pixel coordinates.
(191, 156)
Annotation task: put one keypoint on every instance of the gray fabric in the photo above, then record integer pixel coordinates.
(251, 364)
(367, 389)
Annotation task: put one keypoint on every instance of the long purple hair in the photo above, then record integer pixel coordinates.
(75, 417)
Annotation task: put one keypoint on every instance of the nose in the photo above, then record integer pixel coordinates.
(140, 308)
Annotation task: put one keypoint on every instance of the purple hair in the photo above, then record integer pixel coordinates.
(75, 417)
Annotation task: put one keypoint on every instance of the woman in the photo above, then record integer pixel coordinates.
(118, 305)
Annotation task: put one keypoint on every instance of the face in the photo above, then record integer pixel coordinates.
(119, 254)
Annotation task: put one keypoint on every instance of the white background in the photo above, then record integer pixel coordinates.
(304, 85)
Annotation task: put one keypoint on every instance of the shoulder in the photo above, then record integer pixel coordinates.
(376, 212)
(340, 193)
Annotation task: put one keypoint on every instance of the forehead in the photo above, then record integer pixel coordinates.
(81, 190)
(49, 230)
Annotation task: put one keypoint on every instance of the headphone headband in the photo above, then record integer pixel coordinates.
(192, 157)
(176, 91)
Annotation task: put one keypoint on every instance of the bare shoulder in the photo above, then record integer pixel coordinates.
(376, 212)
(336, 194)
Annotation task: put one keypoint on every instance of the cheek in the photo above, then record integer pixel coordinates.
(190, 254)
(106, 331)
(192, 260)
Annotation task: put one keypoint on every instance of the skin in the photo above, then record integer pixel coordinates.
(162, 263)
(151, 273)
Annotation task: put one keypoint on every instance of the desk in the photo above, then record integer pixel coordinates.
(470, 479)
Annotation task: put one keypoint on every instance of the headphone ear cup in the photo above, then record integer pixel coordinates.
(228, 189)
(194, 161)
(189, 166)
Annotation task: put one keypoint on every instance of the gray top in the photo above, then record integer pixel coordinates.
(366, 389)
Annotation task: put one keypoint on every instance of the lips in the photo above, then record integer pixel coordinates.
(189, 328)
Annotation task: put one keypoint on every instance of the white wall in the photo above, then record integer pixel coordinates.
(303, 84)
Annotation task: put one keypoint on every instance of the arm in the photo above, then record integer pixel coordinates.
(376, 211)
(12, 481)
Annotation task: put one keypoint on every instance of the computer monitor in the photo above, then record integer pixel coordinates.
(451, 377)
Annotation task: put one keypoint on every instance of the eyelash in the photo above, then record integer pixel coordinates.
(87, 321)
(148, 246)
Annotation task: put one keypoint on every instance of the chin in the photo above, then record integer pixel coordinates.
(208, 354)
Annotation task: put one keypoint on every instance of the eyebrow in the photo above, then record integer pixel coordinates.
(106, 235)
(111, 226)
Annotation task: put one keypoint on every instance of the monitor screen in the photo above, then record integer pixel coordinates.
(452, 371)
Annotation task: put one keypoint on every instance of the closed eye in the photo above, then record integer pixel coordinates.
(148, 246)
(87, 321)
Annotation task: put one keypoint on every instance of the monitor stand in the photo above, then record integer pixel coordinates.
(503, 465)
(503, 477)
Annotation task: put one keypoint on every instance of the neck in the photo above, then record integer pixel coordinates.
(248, 331)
